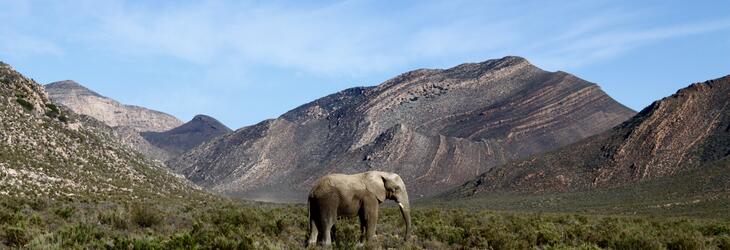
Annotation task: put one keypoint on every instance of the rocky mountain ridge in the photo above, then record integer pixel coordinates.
(200, 129)
(437, 128)
(676, 134)
(51, 152)
(87, 102)
(157, 135)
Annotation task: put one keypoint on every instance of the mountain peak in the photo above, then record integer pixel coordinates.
(509, 59)
(200, 129)
(70, 86)
(84, 101)
(203, 118)
(207, 120)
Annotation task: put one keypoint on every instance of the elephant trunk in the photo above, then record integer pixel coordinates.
(405, 210)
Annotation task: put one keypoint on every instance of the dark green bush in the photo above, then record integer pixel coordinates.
(16, 235)
(722, 242)
(52, 111)
(78, 235)
(25, 103)
(685, 242)
(115, 219)
(65, 211)
(716, 230)
(145, 215)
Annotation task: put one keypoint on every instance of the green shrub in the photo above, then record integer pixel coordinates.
(81, 235)
(716, 230)
(115, 219)
(25, 104)
(685, 242)
(52, 111)
(16, 235)
(144, 215)
(637, 243)
(548, 234)
(65, 211)
(38, 204)
(722, 242)
(146, 244)
(181, 241)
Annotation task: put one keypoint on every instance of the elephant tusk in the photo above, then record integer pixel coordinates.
(400, 205)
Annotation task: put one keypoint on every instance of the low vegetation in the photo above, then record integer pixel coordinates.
(42, 224)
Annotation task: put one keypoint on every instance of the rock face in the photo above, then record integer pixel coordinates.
(680, 133)
(436, 128)
(157, 135)
(86, 102)
(179, 140)
(51, 152)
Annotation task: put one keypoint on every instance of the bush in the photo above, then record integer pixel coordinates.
(25, 104)
(685, 242)
(65, 211)
(16, 235)
(717, 230)
(145, 215)
(722, 242)
(81, 234)
(53, 111)
(115, 219)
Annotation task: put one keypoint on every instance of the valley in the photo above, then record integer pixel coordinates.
(497, 155)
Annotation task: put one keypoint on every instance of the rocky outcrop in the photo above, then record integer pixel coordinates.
(48, 151)
(179, 140)
(672, 136)
(86, 102)
(436, 128)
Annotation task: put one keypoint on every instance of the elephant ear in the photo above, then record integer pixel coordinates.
(375, 185)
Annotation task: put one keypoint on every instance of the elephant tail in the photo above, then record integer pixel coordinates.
(312, 241)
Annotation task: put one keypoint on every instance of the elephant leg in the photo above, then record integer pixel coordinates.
(312, 233)
(371, 218)
(329, 218)
(314, 222)
(327, 233)
(363, 223)
(334, 233)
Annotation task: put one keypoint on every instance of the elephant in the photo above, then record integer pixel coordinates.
(341, 195)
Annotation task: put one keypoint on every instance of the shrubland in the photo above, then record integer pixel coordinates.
(223, 224)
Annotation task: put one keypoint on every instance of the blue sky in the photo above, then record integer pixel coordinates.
(245, 61)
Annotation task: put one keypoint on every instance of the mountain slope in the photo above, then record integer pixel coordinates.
(437, 128)
(674, 135)
(179, 140)
(51, 152)
(697, 192)
(86, 102)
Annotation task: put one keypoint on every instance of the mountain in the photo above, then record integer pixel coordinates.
(157, 135)
(142, 129)
(179, 140)
(436, 128)
(674, 138)
(47, 151)
(86, 102)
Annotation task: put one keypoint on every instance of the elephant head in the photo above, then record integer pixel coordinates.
(390, 186)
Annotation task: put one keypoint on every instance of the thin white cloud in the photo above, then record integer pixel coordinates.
(20, 45)
(597, 46)
(358, 37)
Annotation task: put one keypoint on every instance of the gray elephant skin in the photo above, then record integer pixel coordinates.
(340, 195)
